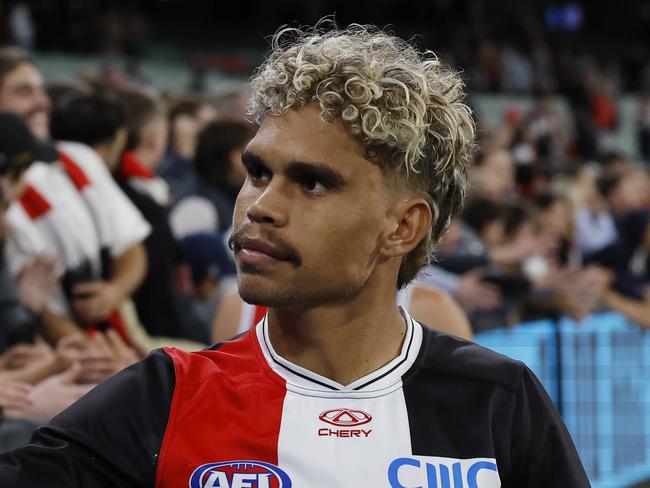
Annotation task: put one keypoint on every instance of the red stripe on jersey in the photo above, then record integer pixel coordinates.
(34, 203)
(227, 406)
(76, 174)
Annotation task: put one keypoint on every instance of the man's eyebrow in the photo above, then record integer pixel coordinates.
(302, 169)
(317, 171)
(249, 159)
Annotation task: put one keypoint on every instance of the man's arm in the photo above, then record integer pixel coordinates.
(636, 310)
(95, 300)
(110, 437)
(130, 268)
(56, 326)
(35, 371)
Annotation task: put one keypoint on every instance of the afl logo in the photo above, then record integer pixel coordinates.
(345, 417)
(239, 474)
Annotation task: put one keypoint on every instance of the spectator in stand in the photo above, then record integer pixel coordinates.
(559, 284)
(22, 91)
(625, 194)
(21, 302)
(25, 359)
(219, 172)
(635, 304)
(213, 277)
(493, 174)
(71, 208)
(146, 122)
(98, 124)
(187, 117)
(147, 131)
(594, 224)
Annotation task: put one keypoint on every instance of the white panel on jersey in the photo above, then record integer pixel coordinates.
(344, 441)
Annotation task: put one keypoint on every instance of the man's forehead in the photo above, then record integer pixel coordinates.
(25, 74)
(302, 135)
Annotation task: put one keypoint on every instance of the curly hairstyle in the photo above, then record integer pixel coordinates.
(403, 105)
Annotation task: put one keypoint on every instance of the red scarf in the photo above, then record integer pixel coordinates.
(131, 167)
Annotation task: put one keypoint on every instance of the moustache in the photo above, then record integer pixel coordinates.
(289, 252)
(41, 108)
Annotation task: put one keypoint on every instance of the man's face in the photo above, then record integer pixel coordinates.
(24, 94)
(309, 218)
(11, 188)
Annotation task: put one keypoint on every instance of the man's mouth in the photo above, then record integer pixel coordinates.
(259, 251)
(257, 247)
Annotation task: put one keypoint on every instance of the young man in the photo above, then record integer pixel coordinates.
(356, 170)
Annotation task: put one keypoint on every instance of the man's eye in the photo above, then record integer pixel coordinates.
(258, 173)
(314, 186)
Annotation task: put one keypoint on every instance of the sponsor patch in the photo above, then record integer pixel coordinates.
(434, 472)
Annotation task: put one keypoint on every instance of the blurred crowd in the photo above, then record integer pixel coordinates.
(117, 203)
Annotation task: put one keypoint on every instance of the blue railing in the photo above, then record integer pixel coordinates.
(600, 382)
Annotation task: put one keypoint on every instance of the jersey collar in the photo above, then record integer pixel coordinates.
(386, 377)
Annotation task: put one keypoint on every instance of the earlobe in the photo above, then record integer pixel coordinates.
(410, 223)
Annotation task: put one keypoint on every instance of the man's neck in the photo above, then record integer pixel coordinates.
(342, 343)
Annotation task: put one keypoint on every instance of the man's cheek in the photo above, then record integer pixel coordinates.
(241, 205)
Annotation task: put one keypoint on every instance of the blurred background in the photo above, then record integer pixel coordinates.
(548, 262)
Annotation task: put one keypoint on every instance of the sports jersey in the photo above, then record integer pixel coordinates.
(72, 209)
(445, 413)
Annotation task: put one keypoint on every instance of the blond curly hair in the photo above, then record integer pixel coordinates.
(403, 105)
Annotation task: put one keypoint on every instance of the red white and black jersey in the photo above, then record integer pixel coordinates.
(445, 413)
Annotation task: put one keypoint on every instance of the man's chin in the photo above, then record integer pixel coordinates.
(255, 293)
(40, 127)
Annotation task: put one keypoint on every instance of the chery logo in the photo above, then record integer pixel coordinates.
(344, 417)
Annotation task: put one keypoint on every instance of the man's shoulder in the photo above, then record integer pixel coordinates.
(467, 361)
(228, 358)
(85, 158)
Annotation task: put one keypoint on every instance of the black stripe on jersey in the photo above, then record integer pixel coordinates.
(406, 356)
(295, 372)
(455, 393)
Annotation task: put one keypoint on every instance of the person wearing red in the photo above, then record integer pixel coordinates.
(358, 166)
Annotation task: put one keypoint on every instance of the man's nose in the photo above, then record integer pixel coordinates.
(270, 206)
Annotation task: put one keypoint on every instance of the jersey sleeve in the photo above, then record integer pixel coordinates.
(110, 437)
(543, 452)
(127, 225)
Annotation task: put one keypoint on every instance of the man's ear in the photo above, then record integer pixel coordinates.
(409, 222)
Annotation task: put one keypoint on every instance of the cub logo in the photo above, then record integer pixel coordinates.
(239, 474)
